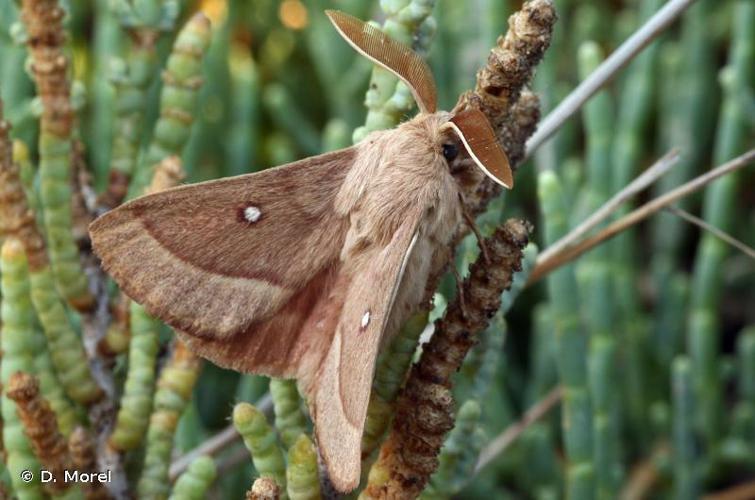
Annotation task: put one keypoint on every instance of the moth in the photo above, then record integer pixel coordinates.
(303, 271)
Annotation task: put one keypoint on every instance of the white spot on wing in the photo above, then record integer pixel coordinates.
(365, 320)
(252, 214)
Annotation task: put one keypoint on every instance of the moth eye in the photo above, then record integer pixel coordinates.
(450, 151)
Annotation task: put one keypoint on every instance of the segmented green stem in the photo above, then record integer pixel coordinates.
(687, 121)
(16, 341)
(261, 441)
(49, 385)
(66, 348)
(392, 364)
(744, 412)
(289, 418)
(571, 344)
(194, 483)
(174, 389)
(136, 402)
(244, 134)
(594, 273)
(303, 481)
(182, 79)
(686, 466)
(734, 137)
(43, 20)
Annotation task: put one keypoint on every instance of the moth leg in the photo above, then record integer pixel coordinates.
(471, 224)
(460, 291)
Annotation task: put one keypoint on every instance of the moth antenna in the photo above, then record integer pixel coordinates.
(396, 57)
(480, 141)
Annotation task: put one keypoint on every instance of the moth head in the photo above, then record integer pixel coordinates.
(394, 56)
(473, 132)
(470, 126)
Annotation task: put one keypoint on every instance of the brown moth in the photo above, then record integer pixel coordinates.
(303, 270)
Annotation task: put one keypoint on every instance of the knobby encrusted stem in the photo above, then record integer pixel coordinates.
(649, 176)
(500, 93)
(424, 409)
(41, 426)
(16, 217)
(82, 450)
(512, 432)
(264, 488)
(639, 214)
(606, 71)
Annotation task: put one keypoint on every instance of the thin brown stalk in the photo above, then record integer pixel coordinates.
(638, 215)
(645, 475)
(606, 71)
(649, 176)
(512, 432)
(741, 492)
(726, 237)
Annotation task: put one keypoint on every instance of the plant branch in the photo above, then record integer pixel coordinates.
(512, 432)
(658, 169)
(546, 266)
(726, 237)
(741, 492)
(606, 71)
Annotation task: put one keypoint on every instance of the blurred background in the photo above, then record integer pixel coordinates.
(652, 334)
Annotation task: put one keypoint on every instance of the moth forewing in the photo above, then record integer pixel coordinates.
(341, 390)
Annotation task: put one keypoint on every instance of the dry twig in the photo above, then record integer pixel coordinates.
(569, 254)
(606, 71)
(512, 432)
(649, 176)
(723, 236)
